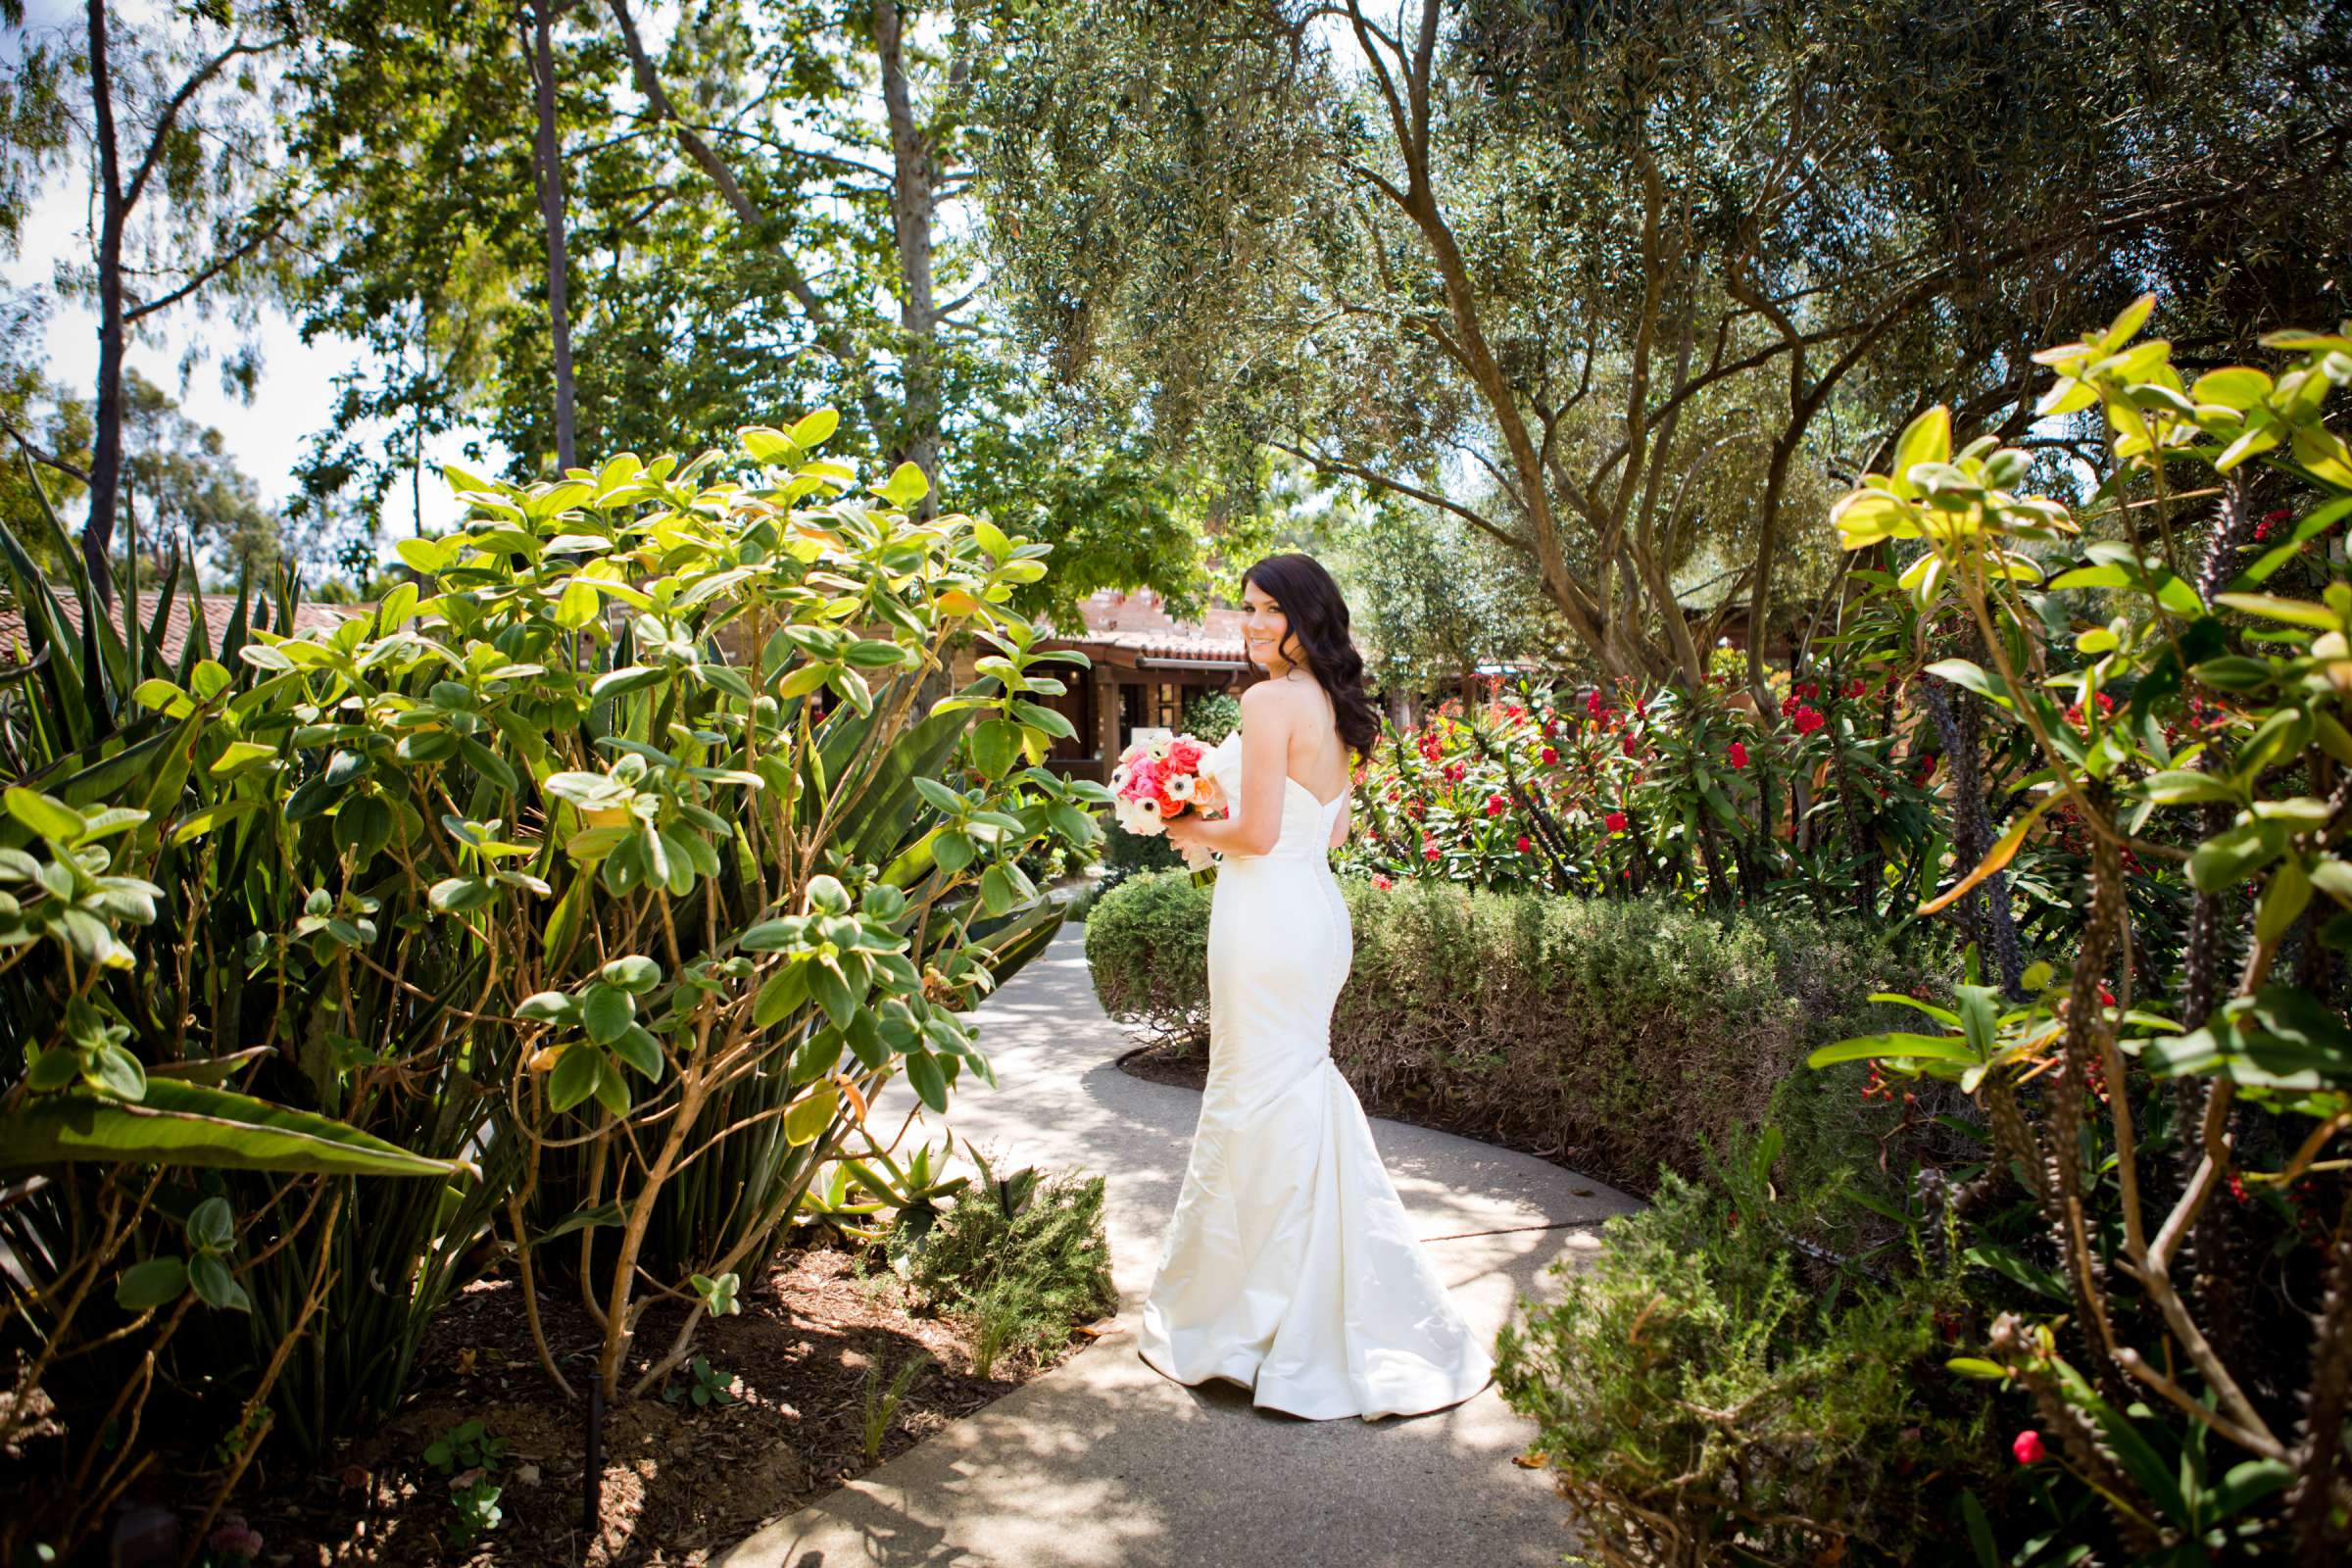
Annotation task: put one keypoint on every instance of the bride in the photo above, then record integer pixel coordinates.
(1290, 1266)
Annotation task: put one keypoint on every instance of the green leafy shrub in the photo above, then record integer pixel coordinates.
(1147, 945)
(468, 1457)
(2166, 670)
(1815, 805)
(1024, 1260)
(595, 879)
(1708, 1396)
(1611, 1036)
(1212, 717)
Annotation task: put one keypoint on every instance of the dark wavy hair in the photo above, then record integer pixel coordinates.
(1318, 623)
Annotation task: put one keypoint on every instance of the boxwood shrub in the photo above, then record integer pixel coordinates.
(1609, 1035)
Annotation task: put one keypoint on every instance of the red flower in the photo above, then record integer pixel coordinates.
(1807, 720)
(1524, 845)
(1550, 756)
(1615, 821)
(1453, 772)
(1738, 755)
(1496, 804)
(1593, 705)
(1381, 883)
(2073, 711)
(1631, 748)
(1429, 851)
(2028, 1447)
(1854, 687)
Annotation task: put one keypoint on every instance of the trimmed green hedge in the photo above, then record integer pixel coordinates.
(1146, 942)
(1611, 1037)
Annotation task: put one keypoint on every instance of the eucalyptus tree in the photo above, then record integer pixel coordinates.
(174, 123)
(1591, 280)
(763, 207)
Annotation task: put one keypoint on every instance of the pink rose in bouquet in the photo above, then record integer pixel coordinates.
(1160, 778)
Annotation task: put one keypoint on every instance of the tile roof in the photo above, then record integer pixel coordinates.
(1138, 624)
(16, 645)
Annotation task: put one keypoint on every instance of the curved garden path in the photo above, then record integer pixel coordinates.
(1104, 1462)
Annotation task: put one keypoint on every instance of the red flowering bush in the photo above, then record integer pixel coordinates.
(1618, 792)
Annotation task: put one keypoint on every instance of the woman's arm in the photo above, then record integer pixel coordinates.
(1254, 821)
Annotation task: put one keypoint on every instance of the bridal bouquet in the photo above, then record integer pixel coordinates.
(1160, 778)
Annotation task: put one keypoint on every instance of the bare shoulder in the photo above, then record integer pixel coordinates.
(1270, 701)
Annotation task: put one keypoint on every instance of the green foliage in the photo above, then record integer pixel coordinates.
(2200, 725)
(879, 1407)
(1552, 1020)
(1212, 717)
(1022, 1259)
(620, 829)
(469, 1457)
(1432, 599)
(797, 281)
(1147, 945)
(704, 1386)
(1821, 809)
(1600, 283)
(1705, 1390)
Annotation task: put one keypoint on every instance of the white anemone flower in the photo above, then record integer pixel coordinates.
(1179, 788)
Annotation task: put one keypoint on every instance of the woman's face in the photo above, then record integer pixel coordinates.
(1266, 630)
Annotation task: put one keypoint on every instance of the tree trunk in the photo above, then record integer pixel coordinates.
(105, 449)
(547, 164)
(912, 202)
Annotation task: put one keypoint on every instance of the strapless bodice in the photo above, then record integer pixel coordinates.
(1305, 821)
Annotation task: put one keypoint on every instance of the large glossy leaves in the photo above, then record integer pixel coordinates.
(180, 1123)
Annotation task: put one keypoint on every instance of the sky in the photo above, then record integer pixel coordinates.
(267, 436)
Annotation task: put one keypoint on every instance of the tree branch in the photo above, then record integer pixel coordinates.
(211, 269)
(45, 459)
(179, 100)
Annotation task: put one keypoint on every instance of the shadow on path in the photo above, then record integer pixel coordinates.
(1102, 1461)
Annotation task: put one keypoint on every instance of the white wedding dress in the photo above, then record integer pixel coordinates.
(1290, 1266)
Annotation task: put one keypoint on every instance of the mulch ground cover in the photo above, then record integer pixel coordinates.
(680, 1481)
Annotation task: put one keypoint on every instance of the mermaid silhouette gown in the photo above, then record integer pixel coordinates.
(1290, 1266)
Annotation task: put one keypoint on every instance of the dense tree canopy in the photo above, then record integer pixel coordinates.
(762, 213)
(1621, 287)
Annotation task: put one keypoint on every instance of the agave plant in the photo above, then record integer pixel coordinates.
(174, 1184)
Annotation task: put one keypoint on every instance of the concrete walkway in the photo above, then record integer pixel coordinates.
(1104, 1462)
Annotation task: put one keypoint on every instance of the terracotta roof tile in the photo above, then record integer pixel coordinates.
(16, 644)
(1138, 624)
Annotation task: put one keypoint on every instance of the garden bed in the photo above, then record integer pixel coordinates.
(680, 1481)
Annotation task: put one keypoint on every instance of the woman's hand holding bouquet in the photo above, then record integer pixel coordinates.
(1160, 780)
